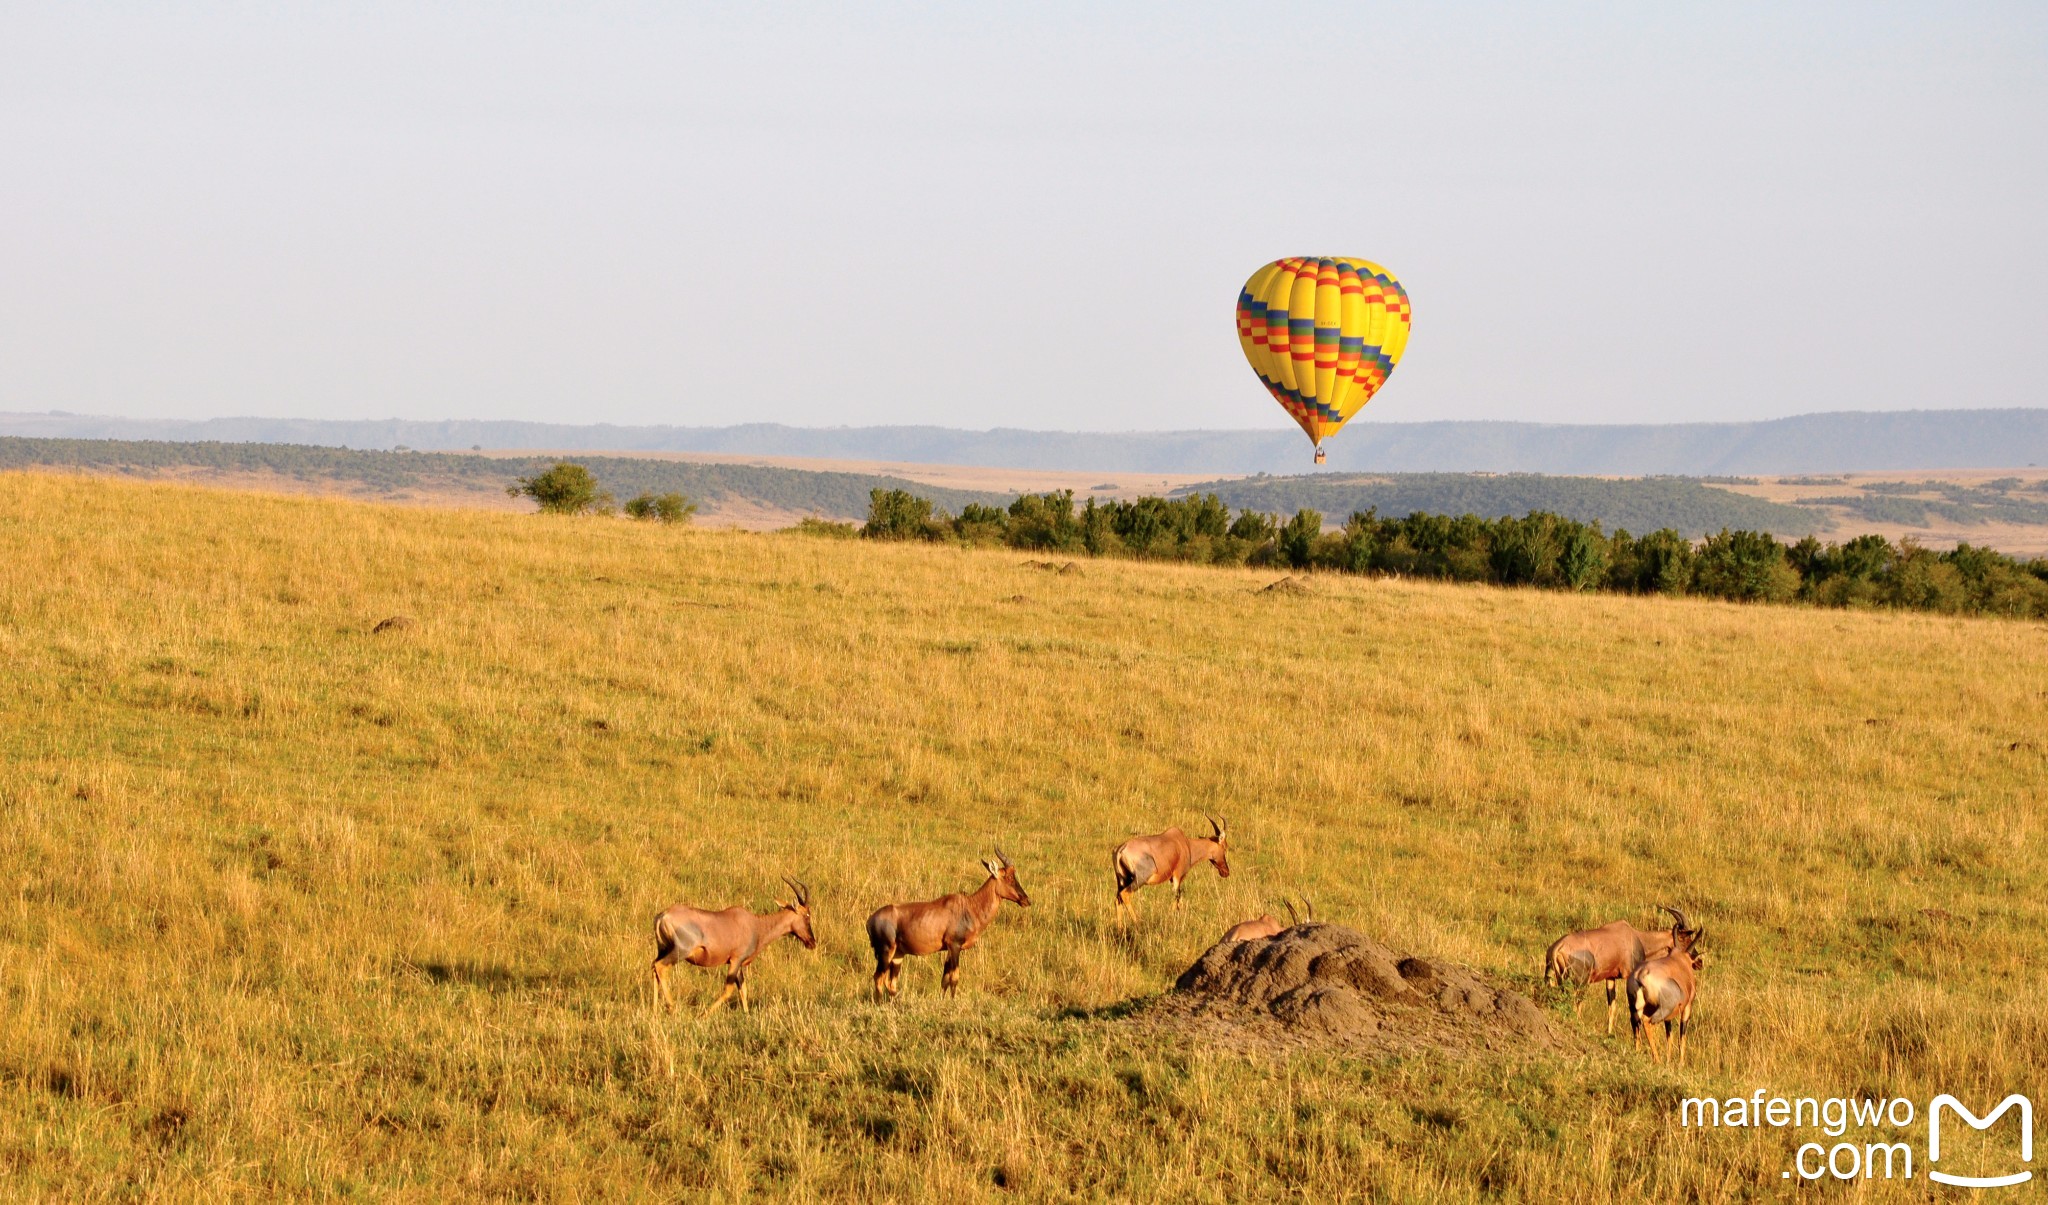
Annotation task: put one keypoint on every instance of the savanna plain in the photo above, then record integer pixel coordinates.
(293, 908)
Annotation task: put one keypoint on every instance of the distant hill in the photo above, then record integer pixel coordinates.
(1691, 507)
(1843, 442)
(831, 495)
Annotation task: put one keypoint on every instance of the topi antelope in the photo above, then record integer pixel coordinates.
(951, 923)
(1267, 926)
(1166, 858)
(732, 939)
(1605, 955)
(1663, 990)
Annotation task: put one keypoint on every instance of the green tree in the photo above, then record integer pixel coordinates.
(1525, 551)
(662, 508)
(1658, 563)
(1298, 538)
(566, 489)
(900, 515)
(812, 525)
(1583, 562)
(1045, 521)
(1253, 527)
(1748, 566)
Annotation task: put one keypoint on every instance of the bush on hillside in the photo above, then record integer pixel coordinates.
(812, 525)
(662, 508)
(565, 489)
(901, 515)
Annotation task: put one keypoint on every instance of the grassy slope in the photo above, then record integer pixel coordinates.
(292, 906)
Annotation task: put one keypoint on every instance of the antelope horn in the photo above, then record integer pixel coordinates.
(1292, 917)
(1677, 917)
(1216, 829)
(1001, 856)
(1308, 907)
(802, 896)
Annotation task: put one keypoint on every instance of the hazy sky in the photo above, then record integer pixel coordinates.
(1031, 215)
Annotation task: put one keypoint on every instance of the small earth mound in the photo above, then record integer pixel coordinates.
(1052, 566)
(396, 623)
(1288, 585)
(1327, 984)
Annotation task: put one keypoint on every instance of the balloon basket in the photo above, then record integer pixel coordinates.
(1319, 456)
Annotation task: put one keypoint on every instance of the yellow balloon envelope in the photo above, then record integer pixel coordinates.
(1323, 334)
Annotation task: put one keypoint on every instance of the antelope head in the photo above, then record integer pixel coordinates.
(801, 905)
(1219, 832)
(1683, 936)
(1005, 875)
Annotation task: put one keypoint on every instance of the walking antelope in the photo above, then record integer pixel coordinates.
(1267, 926)
(1663, 990)
(732, 939)
(1166, 858)
(1605, 955)
(951, 923)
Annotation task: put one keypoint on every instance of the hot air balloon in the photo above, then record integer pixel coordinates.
(1323, 334)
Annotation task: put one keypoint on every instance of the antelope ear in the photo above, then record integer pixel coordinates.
(994, 871)
(780, 904)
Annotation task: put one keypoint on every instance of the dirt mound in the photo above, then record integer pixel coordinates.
(396, 623)
(1288, 585)
(1326, 984)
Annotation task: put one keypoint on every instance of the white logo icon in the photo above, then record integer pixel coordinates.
(1977, 1123)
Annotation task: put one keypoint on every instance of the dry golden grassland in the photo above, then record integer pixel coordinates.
(292, 909)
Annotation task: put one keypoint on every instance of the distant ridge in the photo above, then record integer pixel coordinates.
(1693, 508)
(1842, 442)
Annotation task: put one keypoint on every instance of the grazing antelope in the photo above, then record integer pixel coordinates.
(1605, 955)
(951, 923)
(1166, 858)
(1663, 989)
(732, 939)
(1267, 926)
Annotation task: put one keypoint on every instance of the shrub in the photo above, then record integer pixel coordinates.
(1254, 527)
(1748, 566)
(662, 508)
(1524, 551)
(1658, 563)
(1298, 538)
(1920, 580)
(1045, 521)
(566, 489)
(1583, 562)
(900, 515)
(812, 525)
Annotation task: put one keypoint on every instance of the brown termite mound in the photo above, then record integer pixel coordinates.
(1320, 984)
